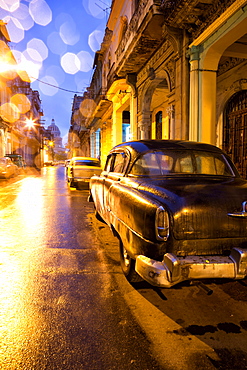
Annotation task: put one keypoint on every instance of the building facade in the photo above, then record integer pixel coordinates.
(170, 70)
(78, 145)
(20, 109)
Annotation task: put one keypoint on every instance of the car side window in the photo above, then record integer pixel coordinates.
(119, 163)
(184, 164)
(108, 164)
(147, 164)
(173, 162)
(212, 165)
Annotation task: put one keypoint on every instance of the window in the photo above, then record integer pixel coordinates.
(158, 121)
(119, 163)
(95, 144)
(87, 162)
(108, 164)
(172, 162)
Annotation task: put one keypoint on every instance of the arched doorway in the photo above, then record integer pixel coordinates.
(158, 121)
(154, 117)
(235, 131)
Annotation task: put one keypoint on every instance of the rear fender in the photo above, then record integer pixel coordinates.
(133, 217)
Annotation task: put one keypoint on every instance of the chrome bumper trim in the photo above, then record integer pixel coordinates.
(173, 270)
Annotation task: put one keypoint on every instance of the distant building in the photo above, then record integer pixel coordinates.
(20, 106)
(54, 143)
(78, 139)
(58, 141)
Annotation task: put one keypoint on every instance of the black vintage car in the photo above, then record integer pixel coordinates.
(179, 209)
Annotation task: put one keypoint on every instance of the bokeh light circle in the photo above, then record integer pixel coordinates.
(95, 10)
(70, 63)
(10, 5)
(9, 112)
(57, 72)
(87, 107)
(68, 31)
(94, 40)
(56, 44)
(40, 12)
(15, 29)
(22, 102)
(22, 14)
(48, 86)
(86, 61)
(37, 50)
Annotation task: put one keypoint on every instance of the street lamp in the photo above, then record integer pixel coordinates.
(30, 123)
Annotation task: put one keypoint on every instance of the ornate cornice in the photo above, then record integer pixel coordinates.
(194, 15)
(228, 64)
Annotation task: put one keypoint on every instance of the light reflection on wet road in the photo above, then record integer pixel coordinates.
(42, 212)
(59, 308)
(65, 304)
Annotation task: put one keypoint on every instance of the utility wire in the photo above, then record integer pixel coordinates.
(93, 96)
(58, 87)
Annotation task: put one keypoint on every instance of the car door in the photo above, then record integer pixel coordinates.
(98, 184)
(119, 162)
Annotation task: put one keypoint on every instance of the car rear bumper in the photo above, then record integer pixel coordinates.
(81, 179)
(173, 270)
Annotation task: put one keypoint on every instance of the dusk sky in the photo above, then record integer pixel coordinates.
(57, 41)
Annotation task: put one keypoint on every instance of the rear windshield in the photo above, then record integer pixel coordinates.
(87, 162)
(172, 162)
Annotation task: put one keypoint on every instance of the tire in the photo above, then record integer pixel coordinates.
(128, 265)
(99, 218)
(72, 183)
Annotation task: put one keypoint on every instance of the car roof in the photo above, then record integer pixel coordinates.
(84, 158)
(13, 155)
(145, 145)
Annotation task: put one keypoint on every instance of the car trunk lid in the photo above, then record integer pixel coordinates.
(86, 173)
(203, 208)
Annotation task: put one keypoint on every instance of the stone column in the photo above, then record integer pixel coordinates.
(145, 125)
(202, 123)
(207, 132)
(171, 114)
(117, 134)
(194, 94)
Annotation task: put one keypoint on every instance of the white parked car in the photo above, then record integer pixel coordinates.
(81, 169)
(7, 168)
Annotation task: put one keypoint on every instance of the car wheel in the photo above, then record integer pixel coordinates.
(99, 218)
(128, 265)
(71, 183)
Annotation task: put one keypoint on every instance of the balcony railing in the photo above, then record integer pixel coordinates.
(135, 23)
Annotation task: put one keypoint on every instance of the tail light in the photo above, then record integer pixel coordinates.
(162, 224)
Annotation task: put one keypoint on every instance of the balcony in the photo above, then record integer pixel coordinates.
(142, 37)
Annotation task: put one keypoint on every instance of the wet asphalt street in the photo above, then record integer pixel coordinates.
(65, 304)
(59, 308)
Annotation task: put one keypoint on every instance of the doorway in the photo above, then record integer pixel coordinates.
(235, 131)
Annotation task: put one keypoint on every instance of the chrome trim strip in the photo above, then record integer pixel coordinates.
(242, 214)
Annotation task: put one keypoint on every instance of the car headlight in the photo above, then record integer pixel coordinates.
(162, 224)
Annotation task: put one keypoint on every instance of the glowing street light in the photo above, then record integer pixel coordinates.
(30, 122)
